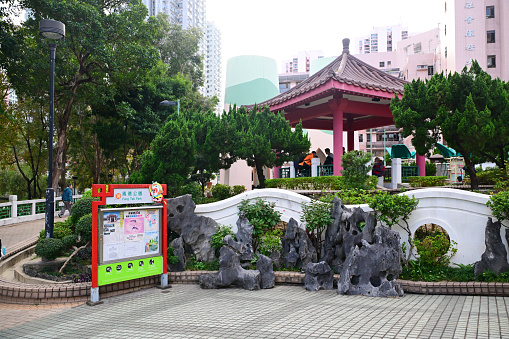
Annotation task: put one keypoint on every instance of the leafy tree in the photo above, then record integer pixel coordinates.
(170, 158)
(108, 43)
(24, 144)
(465, 108)
(263, 138)
(179, 49)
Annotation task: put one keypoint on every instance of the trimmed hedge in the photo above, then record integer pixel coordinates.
(332, 182)
(427, 181)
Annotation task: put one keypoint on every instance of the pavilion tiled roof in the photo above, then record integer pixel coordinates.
(344, 69)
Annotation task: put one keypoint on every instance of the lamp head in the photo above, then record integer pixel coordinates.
(52, 29)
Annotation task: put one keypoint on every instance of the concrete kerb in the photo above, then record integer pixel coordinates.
(34, 294)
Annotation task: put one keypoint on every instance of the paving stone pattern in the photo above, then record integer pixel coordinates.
(186, 311)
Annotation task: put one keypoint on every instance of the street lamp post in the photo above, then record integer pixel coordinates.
(171, 103)
(53, 30)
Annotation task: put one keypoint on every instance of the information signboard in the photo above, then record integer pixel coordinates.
(128, 243)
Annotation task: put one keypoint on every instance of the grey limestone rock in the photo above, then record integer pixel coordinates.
(178, 250)
(264, 265)
(231, 273)
(196, 231)
(318, 276)
(245, 237)
(344, 233)
(495, 255)
(372, 269)
(297, 247)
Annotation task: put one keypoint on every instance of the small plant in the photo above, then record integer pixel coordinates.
(395, 210)
(499, 205)
(317, 216)
(435, 250)
(217, 238)
(271, 242)
(262, 216)
(171, 258)
(356, 168)
(195, 265)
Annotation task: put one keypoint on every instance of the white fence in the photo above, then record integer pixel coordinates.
(15, 211)
(462, 214)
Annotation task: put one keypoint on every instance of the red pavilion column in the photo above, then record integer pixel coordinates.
(420, 161)
(350, 140)
(337, 107)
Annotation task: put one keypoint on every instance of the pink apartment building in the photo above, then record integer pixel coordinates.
(476, 30)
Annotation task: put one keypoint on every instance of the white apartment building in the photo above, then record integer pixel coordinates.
(381, 39)
(212, 67)
(192, 13)
(476, 30)
(301, 62)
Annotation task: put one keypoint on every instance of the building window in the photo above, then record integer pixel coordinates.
(490, 12)
(492, 61)
(368, 137)
(382, 64)
(360, 137)
(430, 70)
(417, 48)
(490, 38)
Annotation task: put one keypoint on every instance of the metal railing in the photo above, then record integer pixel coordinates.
(15, 211)
(284, 172)
(325, 170)
(409, 171)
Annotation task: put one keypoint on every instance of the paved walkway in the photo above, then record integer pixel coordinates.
(186, 311)
(16, 233)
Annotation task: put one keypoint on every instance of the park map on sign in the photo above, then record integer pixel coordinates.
(129, 234)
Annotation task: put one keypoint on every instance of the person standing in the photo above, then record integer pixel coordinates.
(67, 200)
(330, 157)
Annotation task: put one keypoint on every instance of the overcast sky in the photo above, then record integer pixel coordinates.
(279, 29)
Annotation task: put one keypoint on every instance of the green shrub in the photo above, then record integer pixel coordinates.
(262, 216)
(307, 183)
(395, 210)
(435, 250)
(171, 258)
(355, 169)
(271, 242)
(431, 169)
(217, 238)
(221, 192)
(60, 230)
(238, 189)
(84, 228)
(195, 190)
(87, 194)
(70, 240)
(49, 248)
(499, 205)
(81, 207)
(491, 176)
(427, 181)
(195, 265)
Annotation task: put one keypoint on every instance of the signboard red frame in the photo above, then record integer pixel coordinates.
(100, 191)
